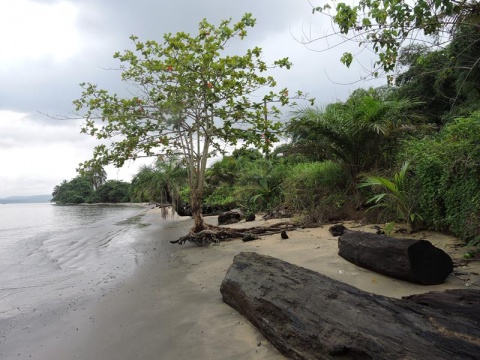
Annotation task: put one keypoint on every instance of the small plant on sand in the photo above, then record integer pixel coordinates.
(395, 196)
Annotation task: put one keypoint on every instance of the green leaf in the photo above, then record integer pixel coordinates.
(347, 59)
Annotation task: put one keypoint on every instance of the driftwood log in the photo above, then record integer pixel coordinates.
(215, 234)
(459, 303)
(407, 259)
(306, 315)
(230, 217)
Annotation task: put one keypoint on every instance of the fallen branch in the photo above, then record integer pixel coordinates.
(216, 234)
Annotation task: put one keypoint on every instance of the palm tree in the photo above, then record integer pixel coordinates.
(161, 182)
(356, 133)
(395, 196)
(144, 186)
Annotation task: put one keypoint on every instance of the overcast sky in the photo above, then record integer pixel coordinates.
(48, 47)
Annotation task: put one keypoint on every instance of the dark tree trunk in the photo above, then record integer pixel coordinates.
(307, 315)
(198, 222)
(181, 209)
(407, 259)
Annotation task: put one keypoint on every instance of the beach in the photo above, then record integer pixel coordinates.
(171, 306)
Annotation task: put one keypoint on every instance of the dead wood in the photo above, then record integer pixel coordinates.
(407, 259)
(215, 234)
(307, 315)
(455, 302)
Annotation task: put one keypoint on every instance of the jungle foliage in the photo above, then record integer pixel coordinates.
(80, 190)
(447, 172)
(412, 149)
(387, 27)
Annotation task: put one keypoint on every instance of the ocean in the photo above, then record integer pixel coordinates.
(52, 256)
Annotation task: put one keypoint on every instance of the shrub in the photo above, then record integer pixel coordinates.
(316, 187)
(394, 196)
(447, 169)
(222, 195)
(258, 187)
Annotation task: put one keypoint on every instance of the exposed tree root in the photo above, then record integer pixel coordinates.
(216, 234)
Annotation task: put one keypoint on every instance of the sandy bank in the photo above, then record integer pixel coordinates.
(315, 249)
(171, 308)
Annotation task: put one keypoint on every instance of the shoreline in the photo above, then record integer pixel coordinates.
(171, 307)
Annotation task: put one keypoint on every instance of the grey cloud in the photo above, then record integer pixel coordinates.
(48, 87)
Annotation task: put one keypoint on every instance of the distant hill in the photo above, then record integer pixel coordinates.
(26, 199)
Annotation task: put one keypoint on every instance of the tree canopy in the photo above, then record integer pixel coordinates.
(78, 190)
(388, 25)
(190, 98)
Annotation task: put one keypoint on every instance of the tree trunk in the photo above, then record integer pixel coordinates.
(307, 315)
(196, 202)
(407, 259)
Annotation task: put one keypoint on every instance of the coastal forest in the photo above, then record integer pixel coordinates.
(406, 153)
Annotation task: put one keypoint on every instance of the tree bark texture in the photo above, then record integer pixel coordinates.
(306, 315)
(407, 259)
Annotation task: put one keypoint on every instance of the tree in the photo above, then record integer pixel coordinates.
(386, 25)
(112, 191)
(145, 185)
(95, 173)
(426, 78)
(447, 80)
(76, 191)
(190, 99)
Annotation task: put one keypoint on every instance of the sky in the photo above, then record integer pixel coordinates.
(48, 47)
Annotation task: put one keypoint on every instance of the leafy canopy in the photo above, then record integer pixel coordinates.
(386, 25)
(189, 98)
(182, 88)
(76, 191)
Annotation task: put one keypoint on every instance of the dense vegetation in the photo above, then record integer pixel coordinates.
(80, 190)
(408, 153)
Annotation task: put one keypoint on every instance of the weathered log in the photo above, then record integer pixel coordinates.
(337, 230)
(456, 302)
(407, 259)
(306, 315)
(230, 217)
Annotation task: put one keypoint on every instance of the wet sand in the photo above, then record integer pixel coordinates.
(171, 308)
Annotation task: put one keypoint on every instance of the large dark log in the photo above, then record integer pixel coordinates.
(230, 217)
(407, 259)
(307, 315)
(456, 302)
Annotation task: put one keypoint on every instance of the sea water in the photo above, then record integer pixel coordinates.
(53, 255)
